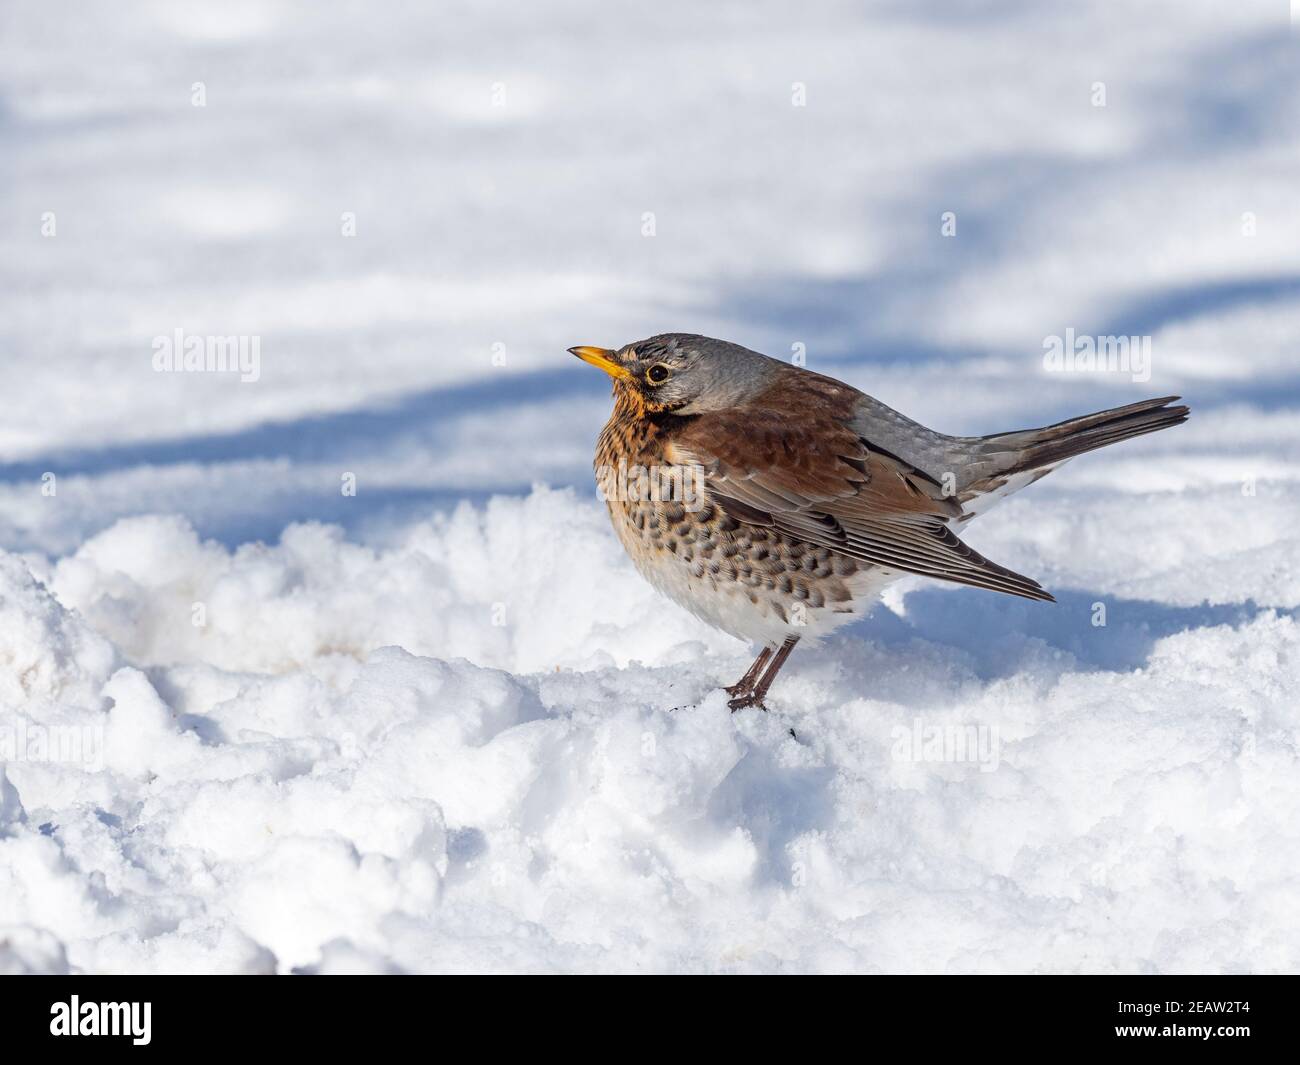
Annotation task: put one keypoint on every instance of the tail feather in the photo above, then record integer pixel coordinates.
(1032, 449)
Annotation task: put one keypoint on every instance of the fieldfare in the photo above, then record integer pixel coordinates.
(775, 503)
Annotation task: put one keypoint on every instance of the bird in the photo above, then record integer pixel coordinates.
(776, 503)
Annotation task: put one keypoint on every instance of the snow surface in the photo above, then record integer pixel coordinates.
(249, 723)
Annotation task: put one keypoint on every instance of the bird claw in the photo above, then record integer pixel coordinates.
(745, 701)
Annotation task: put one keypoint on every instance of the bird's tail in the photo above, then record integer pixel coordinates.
(1034, 449)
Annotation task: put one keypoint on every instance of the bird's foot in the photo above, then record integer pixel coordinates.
(745, 701)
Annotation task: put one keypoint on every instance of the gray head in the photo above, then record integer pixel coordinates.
(682, 373)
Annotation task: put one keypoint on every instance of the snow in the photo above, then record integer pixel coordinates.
(249, 723)
(351, 767)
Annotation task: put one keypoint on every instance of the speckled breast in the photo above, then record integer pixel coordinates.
(750, 581)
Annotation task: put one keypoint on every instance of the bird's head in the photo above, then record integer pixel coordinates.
(680, 373)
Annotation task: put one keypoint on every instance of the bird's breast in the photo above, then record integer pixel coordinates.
(750, 580)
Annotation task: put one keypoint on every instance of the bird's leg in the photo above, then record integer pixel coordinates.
(755, 697)
(746, 683)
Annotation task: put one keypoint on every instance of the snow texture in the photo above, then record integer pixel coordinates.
(250, 723)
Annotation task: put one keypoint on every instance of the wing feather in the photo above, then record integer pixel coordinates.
(821, 482)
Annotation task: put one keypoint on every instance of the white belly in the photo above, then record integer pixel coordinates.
(753, 614)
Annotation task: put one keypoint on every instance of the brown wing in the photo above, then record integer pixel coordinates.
(820, 482)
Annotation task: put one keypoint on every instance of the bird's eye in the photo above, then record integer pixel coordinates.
(657, 374)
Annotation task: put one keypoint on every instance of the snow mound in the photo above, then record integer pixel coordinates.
(49, 659)
(481, 584)
(489, 747)
(30, 952)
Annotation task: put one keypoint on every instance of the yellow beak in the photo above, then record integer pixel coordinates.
(603, 358)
